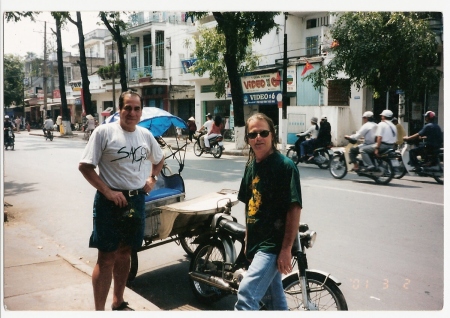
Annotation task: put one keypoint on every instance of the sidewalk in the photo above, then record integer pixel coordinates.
(39, 276)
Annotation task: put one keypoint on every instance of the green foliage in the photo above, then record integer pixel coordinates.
(383, 51)
(106, 72)
(16, 16)
(210, 50)
(13, 80)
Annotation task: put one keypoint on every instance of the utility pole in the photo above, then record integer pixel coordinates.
(113, 80)
(44, 77)
(283, 124)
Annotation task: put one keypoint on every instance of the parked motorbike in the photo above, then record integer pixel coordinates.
(216, 270)
(48, 134)
(9, 139)
(215, 143)
(429, 165)
(321, 155)
(382, 174)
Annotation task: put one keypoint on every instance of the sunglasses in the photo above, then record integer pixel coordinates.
(263, 134)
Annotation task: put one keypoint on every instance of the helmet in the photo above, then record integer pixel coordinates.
(430, 114)
(368, 114)
(314, 120)
(387, 113)
(323, 117)
(6, 116)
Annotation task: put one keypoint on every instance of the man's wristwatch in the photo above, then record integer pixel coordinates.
(155, 177)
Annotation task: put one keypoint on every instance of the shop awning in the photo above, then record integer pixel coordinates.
(107, 112)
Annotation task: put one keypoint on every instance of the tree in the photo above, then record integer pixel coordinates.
(13, 80)
(60, 18)
(239, 28)
(210, 50)
(116, 25)
(383, 51)
(16, 16)
(83, 65)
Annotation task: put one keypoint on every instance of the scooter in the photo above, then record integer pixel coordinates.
(382, 174)
(430, 166)
(9, 139)
(215, 144)
(321, 155)
(48, 134)
(216, 270)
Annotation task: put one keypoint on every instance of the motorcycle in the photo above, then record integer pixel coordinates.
(9, 139)
(382, 174)
(215, 143)
(430, 165)
(216, 270)
(321, 155)
(48, 134)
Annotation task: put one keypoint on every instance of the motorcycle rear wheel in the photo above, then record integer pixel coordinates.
(208, 259)
(338, 166)
(187, 244)
(293, 155)
(324, 297)
(439, 179)
(325, 154)
(197, 149)
(386, 165)
(216, 151)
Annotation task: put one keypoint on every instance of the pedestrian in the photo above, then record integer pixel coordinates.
(400, 133)
(18, 123)
(179, 132)
(192, 127)
(271, 192)
(120, 150)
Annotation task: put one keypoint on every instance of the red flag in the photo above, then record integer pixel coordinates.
(334, 44)
(307, 67)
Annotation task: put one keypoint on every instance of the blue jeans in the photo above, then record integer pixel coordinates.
(305, 147)
(262, 282)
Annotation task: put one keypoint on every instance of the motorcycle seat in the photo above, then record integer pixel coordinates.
(235, 228)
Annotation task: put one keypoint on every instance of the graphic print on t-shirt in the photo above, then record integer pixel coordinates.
(255, 201)
(133, 154)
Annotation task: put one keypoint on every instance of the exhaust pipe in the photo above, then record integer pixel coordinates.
(211, 280)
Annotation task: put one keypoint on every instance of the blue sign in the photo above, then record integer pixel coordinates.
(261, 98)
(187, 64)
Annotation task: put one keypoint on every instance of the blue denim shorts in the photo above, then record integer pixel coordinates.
(109, 229)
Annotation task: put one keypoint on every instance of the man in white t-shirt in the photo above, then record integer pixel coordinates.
(207, 125)
(119, 149)
(386, 136)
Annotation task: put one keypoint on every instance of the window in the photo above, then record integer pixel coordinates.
(159, 48)
(206, 89)
(134, 62)
(133, 48)
(339, 92)
(148, 50)
(312, 23)
(67, 75)
(312, 45)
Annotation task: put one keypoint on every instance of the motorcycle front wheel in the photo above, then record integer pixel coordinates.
(439, 179)
(400, 170)
(338, 166)
(322, 296)
(197, 149)
(208, 259)
(385, 165)
(216, 151)
(292, 154)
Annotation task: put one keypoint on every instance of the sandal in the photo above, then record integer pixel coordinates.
(123, 306)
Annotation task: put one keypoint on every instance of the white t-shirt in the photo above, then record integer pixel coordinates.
(48, 124)
(208, 125)
(388, 132)
(367, 131)
(120, 155)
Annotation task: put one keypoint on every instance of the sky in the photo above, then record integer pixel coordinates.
(26, 36)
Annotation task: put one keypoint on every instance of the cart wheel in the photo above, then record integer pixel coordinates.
(187, 245)
(133, 267)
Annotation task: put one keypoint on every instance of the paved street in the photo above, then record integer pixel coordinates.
(384, 243)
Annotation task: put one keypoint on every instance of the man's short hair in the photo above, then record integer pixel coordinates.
(129, 92)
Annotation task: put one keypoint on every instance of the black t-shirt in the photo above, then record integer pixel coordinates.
(267, 189)
(433, 133)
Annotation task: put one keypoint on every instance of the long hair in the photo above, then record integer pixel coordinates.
(217, 120)
(261, 116)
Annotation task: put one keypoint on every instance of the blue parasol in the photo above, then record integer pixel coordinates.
(154, 119)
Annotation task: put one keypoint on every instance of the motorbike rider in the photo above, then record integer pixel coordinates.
(386, 136)
(207, 125)
(324, 136)
(432, 134)
(7, 123)
(367, 130)
(215, 130)
(48, 125)
(304, 147)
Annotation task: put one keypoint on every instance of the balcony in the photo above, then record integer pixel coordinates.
(136, 73)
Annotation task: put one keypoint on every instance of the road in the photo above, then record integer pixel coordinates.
(384, 243)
